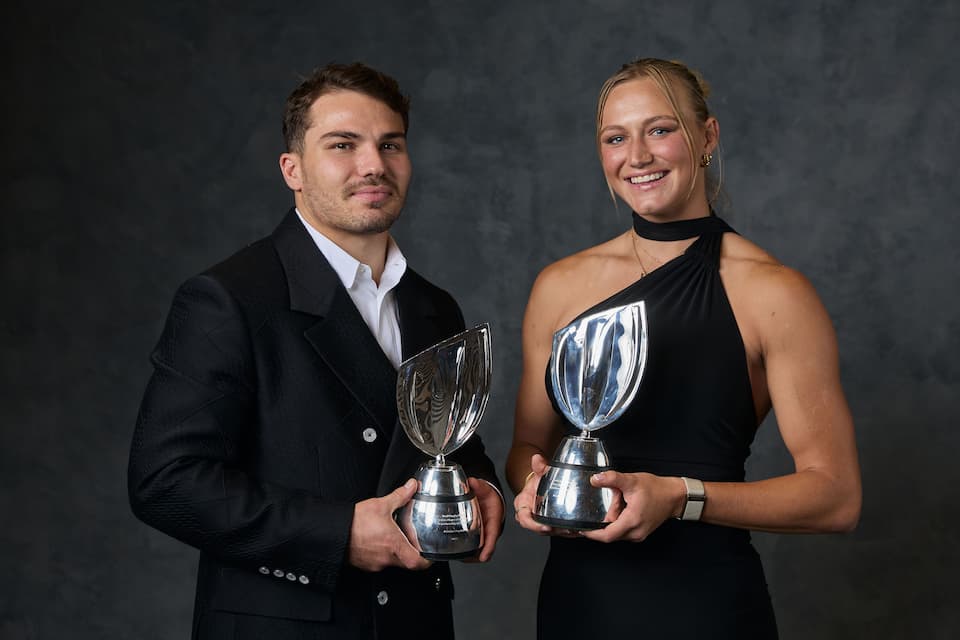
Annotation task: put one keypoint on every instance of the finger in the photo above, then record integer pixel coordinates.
(408, 556)
(608, 479)
(401, 495)
(491, 533)
(538, 464)
(524, 518)
(615, 509)
(607, 534)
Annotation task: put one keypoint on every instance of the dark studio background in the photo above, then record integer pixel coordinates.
(140, 146)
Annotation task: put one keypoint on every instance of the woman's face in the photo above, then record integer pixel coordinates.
(645, 156)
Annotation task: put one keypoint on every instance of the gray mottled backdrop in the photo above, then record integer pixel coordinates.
(140, 145)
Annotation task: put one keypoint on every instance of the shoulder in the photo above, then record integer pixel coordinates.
(777, 300)
(748, 265)
(566, 287)
(573, 272)
(251, 272)
(241, 289)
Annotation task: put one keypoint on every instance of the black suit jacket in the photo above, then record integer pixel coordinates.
(270, 413)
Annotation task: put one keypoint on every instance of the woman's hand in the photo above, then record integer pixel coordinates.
(524, 502)
(648, 500)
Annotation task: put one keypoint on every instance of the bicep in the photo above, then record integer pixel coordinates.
(801, 362)
(535, 421)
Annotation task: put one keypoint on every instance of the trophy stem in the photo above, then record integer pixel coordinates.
(440, 460)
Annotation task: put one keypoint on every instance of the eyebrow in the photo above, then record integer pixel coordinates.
(351, 135)
(644, 123)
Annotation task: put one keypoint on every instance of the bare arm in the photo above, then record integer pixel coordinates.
(537, 427)
(800, 357)
(797, 345)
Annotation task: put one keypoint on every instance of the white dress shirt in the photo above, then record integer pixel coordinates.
(376, 304)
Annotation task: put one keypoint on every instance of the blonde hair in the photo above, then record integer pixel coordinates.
(668, 75)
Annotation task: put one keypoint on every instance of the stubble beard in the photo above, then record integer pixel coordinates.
(337, 211)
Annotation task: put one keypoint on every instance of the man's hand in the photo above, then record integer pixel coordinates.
(491, 510)
(376, 541)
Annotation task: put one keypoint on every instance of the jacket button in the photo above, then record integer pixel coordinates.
(304, 580)
(382, 598)
(264, 571)
(292, 577)
(369, 434)
(437, 584)
(278, 573)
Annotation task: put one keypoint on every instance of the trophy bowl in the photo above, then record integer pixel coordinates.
(595, 370)
(441, 395)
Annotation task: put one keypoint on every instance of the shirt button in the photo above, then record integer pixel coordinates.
(278, 573)
(292, 577)
(369, 434)
(265, 571)
(304, 580)
(382, 598)
(437, 584)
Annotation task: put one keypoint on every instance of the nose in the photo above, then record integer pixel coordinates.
(639, 153)
(370, 162)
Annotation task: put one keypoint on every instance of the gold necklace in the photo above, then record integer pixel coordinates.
(643, 270)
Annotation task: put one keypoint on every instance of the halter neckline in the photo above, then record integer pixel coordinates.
(678, 229)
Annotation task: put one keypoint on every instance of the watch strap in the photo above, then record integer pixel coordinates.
(696, 499)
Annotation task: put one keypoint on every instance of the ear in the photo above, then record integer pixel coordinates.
(711, 135)
(291, 170)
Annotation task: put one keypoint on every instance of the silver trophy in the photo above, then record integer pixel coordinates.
(595, 369)
(441, 395)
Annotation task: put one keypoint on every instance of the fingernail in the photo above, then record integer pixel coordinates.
(410, 484)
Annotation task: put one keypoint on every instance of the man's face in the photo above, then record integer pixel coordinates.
(352, 175)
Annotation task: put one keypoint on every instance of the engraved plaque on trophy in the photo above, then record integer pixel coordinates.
(595, 370)
(441, 395)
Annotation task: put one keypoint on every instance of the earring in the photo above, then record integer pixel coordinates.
(706, 159)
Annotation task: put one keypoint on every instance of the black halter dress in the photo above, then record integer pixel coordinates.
(692, 416)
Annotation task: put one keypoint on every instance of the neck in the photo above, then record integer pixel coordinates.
(371, 250)
(368, 248)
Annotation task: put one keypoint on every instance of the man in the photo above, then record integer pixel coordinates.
(267, 437)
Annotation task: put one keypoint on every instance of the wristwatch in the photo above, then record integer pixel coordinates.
(696, 498)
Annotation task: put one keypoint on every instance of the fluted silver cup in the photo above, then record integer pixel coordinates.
(595, 370)
(441, 395)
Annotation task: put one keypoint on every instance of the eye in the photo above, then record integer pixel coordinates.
(342, 146)
(391, 146)
(614, 140)
(660, 131)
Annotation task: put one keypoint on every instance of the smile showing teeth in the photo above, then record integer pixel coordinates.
(650, 177)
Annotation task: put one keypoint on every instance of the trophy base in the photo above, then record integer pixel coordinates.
(573, 525)
(442, 521)
(463, 555)
(565, 498)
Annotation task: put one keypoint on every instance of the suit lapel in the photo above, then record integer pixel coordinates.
(340, 336)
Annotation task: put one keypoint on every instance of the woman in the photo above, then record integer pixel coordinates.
(733, 334)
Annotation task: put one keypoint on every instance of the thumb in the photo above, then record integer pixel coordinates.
(606, 479)
(538, 463)
(401, 495)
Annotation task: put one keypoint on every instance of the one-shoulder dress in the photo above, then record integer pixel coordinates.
(692, 416)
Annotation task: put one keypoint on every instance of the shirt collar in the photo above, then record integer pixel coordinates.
(347, 267)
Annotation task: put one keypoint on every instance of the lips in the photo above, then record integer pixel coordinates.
(372, 194)
(647, 178)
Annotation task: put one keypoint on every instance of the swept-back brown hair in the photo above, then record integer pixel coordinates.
(338, 77)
